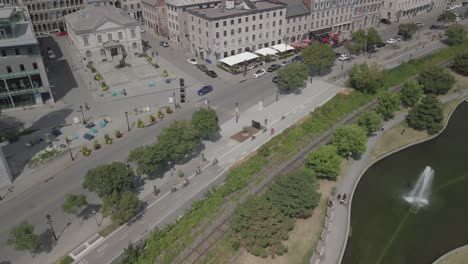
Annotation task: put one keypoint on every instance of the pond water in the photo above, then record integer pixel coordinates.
(386, 229)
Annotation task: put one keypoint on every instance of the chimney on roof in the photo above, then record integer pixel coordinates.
(230, 4)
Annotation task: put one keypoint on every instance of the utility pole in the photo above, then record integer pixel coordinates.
(69, 149)
(51, 227)
(128, 124)
(82, 113)
(277, 93)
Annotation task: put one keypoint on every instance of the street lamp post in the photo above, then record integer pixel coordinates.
(237, 112)
(82, 113)
(173, 96)
(128, 124)
(69, 149)
(95, 218)
(277, 93)
(51, 227)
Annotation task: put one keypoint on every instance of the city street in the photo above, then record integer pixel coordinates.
(42, 191)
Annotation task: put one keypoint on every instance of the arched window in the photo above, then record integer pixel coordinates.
(134, 45)
(103, 52)
(88, 53)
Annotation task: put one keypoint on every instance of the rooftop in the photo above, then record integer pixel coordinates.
(154, 3)
(91, 18)
(19, 31)
(295, 8)
(220, 13)
(181, 3)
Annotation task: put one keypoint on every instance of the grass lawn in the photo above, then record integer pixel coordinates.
(458, 257)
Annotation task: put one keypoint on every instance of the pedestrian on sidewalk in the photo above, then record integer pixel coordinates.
(272, 131)
(215, 161)
(338, 197)
(266, 121)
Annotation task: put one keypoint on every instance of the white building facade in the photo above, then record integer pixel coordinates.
(155, 17)
(104, 33)
(367, 13)
(331, 16)
(396, 10)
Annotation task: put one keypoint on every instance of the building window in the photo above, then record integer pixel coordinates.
(239, 30)
(132, 33)
(135, 45)
(225, 44)
(253, 18)
(34, 65)
(232, 32)
(8, 68)
(217, 24)
(281, 22)
(217, 34)
(253, 27)
(247, 29)
(120, 35)
(109, 37)
(281, 13)
(22, 67)
(261, 16)
(85, 41)
(246, 19)
(224, 33)
(17, 52)
(274, 23)
(4, 54)
(239, 21)
(103, 53)
(224, 23)
(279, 32)
(274, 14)
(99, 38)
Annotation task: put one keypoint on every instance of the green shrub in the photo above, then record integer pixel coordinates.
(151, 119)
(140, 123)
(85, 151)
(97, 77)
(168, 110)
(165, 74)
(118, 134)
(160, 114)
(65, 260)
(96, 145)
(107, 139)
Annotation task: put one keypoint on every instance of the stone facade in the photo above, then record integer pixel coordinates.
(331, 16)
(155, 17)
(98, 39)
(366, 13)
(396, 10)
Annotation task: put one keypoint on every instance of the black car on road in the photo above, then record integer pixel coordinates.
(385, 21)
(275, 79)
(202, 67)
(212, 74)
(273, 67)
(204, 90)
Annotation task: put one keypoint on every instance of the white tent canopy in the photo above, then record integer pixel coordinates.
(282, 47)
(238, 58)
(266, 51)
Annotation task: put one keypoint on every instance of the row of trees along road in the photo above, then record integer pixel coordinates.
(113, 182)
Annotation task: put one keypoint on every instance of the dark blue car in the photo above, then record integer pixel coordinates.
(204, 90)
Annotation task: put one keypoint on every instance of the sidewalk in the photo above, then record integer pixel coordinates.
(228, 152)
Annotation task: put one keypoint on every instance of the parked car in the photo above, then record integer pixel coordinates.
(392, 41)
(202, 67)
(88, 136)
(337, 55)
(51, 54)
(275, 79)
(164, 44)
(385, 21)
(438, 27)
(370, 48)
(380, 45)
(204, 90)
(273, 67)
(344, 57)
(259, 73)
(297, 59)
(419, 24)
(192, 61)
(212, 74)
(399, 37)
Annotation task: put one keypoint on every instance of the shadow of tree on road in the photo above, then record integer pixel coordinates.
(89, 211)
(47, 241)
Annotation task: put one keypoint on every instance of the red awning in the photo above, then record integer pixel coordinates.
(335, 36)
(325, 40)
(294, 44)
(307, 41)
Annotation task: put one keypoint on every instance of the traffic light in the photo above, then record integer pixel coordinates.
(182, 90)
(182, 98)
(181, 82)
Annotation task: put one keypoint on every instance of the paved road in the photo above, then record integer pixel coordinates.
(48, 196)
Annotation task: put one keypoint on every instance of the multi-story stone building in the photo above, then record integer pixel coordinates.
(133, 8)
(396, 10)
(177, 17)
(155, 17)
(104, 33)
(23, 79)
(329, 16)
(366, 13)
(297, 21)
(47, 15)
(222, 31)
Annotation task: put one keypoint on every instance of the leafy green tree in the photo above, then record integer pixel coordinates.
(360, 38)
(370, 121)
(456, 34)
(373, 36)
(292, 77)
(325, 162)
(120, 207)
(131, 253)
(436, 80)
(178, 140)
(22, 237)
(318, 57)
(352, 47)
(349, 140)
(148, 158)
(427, 115)
(389, 103)
(411, 93)
(205, 122)
(447, 17)
(106, 179)
(261, 227)
(407, 30)
(295, 195)
(460, 64)
(364, 78)
(74, 203)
